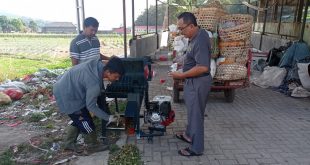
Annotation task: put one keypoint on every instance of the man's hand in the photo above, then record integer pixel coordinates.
(112, 119)
(176, 75)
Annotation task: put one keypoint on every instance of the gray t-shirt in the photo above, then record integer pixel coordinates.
(84, 49)
(198, 51)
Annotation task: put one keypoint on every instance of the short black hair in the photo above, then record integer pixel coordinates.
(91, 21)
(188, 18)
(115, 65)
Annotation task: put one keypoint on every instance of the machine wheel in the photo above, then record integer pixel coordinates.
(176, 95)
(229, 95)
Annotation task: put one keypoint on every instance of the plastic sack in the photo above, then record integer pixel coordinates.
(180, 43)
(271, 77)
(300, 92)
(173, 28)
(213, 67)
(16, 84)
(15, 94)
(4, 99)
(303, 73)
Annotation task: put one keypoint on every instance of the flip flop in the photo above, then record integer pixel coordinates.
(181, 137)
(190, 152)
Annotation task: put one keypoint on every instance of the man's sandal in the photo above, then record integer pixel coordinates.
(181, 137)
(188, 152)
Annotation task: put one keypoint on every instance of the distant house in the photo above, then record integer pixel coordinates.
(143, 29)
(120, 30)
(59, 27)
(138, 29)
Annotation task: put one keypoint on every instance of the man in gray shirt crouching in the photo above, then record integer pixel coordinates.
(76, 94)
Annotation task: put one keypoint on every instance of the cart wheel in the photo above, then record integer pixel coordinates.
(176, 95)
(229, 95)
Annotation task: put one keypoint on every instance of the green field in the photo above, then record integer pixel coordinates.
(22, 54)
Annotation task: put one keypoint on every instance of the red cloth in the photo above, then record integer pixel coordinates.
(15, 94)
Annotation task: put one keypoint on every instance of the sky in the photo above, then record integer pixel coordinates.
(109, 13)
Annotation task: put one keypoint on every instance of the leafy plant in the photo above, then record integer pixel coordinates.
(6, 157)
(36, 117)
(128, 155)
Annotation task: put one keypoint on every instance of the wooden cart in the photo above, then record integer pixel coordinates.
(228, 86)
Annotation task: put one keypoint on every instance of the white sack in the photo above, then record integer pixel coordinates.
(271, 77)
(304, 75)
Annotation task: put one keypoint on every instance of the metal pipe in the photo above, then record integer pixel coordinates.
(133, 18)
(255, 14)
(83, 11)
(156, 17)
(147, 16)
(304, 21)
(247, 8)
(78, 16)
(296, 11)
(125, 28)
(264, 26)
(280, 21)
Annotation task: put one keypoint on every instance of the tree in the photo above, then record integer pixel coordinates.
(141, 20)
(33, 26)
(4, 23)
(18, 24)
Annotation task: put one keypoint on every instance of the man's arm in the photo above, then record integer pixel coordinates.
(74, 61)
(92, 93)
(195, 71)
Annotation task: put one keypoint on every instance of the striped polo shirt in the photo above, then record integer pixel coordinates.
(84, 49)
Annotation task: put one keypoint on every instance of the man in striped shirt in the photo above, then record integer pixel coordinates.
(86, 45)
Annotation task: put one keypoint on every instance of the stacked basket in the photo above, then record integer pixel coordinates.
(208, 18)
(235, 32)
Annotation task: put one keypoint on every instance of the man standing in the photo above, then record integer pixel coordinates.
(197, 82)
(76, 94)
(86, 45)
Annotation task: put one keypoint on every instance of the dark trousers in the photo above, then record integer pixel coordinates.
(83, 121)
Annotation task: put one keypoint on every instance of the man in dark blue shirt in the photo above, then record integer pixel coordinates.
(197, 84)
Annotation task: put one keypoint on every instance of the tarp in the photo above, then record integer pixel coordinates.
(295, 52)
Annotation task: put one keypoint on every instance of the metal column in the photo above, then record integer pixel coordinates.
(78, 16)
(264, 26)
(301, 37)
(156, 30)
(125, 28)
(147, 16)
(133, 18)
(280, 21)
(83, 13)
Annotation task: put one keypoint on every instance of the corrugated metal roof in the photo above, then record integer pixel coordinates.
(60, 24)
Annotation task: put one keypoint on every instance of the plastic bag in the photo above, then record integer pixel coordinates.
(213, 67)
(15, 94)
(271, 77)
(303, 73)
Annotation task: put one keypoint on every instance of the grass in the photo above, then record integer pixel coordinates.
(11, 68)
(22, 54)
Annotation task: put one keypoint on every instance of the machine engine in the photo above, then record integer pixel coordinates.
(159, 114)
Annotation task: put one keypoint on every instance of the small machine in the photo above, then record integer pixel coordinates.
(135, 88)
(158, 116)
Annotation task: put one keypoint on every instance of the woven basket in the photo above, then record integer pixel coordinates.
(233, 48)
(235, 27)
(243, 59)
(231, 72)
(214, 3)
(208, 18)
